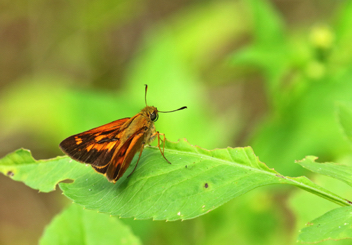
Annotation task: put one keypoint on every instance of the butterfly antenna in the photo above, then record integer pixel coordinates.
(145, 95)
(184, 107)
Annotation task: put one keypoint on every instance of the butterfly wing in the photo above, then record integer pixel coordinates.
(124, 155)
(95, 146)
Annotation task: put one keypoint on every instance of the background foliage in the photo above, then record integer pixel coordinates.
(274, 75)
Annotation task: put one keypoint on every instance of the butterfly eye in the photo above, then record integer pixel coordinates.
(153, 116)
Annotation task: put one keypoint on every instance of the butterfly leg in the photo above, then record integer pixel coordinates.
(140, 154)
(162, 152)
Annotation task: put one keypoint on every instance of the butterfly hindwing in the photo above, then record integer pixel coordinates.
(123, 157)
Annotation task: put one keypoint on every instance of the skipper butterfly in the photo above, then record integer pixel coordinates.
(110, 148)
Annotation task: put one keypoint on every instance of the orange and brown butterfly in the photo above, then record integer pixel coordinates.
(110, 148)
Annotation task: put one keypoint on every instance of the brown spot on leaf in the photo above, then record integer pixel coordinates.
(10, 174)
(309, 224)
(206, 185)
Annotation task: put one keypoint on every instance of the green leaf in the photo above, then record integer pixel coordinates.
(196, 182)
(42, 175)
(78, 226)
(334, 225)
(335, 170)
(345, 118)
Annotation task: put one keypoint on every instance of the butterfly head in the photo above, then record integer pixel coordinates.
(150, 112)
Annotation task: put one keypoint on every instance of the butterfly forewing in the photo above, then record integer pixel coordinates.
(95, 146)
(108, 148)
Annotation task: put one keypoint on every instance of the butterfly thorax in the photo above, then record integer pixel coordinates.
(142, 122)
(150, 113)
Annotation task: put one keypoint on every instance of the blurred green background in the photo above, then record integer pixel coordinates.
(268, 74)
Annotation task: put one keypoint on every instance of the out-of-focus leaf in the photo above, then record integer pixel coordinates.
(345, 117)
(78, 226)
(196, 182)
(344, 25)
(306, 125)
(269, 51)
(97, 15)
(334, 225)
(66, 111)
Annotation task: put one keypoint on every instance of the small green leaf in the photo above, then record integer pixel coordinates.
(345, 118)
(78, 226)
(197, 181)
(335, 170)
(334, 225)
